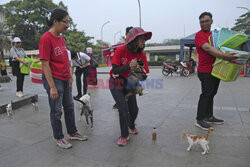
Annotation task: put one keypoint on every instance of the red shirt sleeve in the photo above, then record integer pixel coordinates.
(44, 49)
(144, 59)
(200, 40)
(117, 57)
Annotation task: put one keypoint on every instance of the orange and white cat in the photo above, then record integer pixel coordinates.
(195, 139)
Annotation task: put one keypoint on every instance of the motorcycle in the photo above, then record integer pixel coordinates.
(169, 68)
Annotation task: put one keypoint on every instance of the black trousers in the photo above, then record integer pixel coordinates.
(79, 72)
(3, 72)
(19, 81)
(128, 110)
(209, 88)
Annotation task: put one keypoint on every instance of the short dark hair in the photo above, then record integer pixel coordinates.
(206, 14)
(73, 54)
(56, 14)
(127, 29)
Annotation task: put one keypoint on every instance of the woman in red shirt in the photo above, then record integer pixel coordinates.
(124, 58)
(57, 79)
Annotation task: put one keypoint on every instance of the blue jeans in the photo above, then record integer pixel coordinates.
(65, 100)
(128, 110)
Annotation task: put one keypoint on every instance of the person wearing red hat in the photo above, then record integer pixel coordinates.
(125, 57)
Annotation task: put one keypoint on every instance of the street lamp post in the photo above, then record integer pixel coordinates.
(102, 37)
(139, 12)
(115, 35)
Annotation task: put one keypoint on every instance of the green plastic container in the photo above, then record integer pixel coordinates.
(36, 65)
(26, 69)
(223, 35)
(234, 41)
(226, 71)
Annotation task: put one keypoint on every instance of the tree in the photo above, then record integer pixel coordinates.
(5, 42)
(26, 18)
(171, 42)
(166, 42)
(77, 40)
(243, 24)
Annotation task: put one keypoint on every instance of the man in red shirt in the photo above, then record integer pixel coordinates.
(209, 84)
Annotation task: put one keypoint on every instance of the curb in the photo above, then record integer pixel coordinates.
(18, 103)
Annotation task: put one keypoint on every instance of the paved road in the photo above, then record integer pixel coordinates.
(26, 139)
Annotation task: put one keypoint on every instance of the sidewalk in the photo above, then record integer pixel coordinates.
(8, 95)
(26, 139)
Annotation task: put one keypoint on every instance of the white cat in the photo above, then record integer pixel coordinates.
(9, 110)
(195, 139)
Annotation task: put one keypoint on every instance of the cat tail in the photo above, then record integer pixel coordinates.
(184, 134)
(208, 132)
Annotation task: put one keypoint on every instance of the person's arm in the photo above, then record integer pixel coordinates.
(86, 64)
(214, 52)
(120, 69)
(21, 61)
(86, 57)
(49, 78)
(71, 77)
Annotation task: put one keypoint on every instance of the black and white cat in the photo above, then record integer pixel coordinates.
(86, 108)
(9, 109)
(34, 103)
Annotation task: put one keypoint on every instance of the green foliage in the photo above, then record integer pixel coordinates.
(5, 42)
(243, 24)
(161, 58)
(171, 42)
(166, 42)
(26, 18)
(77, 40)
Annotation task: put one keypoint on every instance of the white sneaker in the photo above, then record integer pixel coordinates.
(24, 94)
(144, 92)
(19, 94)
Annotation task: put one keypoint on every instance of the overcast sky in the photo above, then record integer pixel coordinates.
(166, 19)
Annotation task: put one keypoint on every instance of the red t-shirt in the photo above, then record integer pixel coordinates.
(123, 56)
(54, 50)
(205, 60)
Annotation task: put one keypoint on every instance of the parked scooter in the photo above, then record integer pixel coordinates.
(169, 68)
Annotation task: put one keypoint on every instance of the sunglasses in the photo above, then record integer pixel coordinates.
(66, 22)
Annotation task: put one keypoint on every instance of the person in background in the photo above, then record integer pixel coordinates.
(57, 79)
(125, 58)
(3, 68)
(92, 77)
(82, 62)
(16, 53)
(126, 40)
(209, 84)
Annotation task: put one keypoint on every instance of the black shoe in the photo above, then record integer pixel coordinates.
(213, 120)
(115, 106)
(78, 96)
(203, 125)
